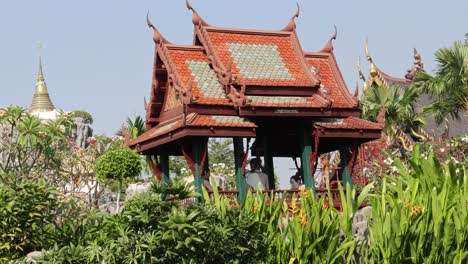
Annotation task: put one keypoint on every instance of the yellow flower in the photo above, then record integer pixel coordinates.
(302, 217)
(255, 206)
(293, 208)
(407, 204)
(416, 210)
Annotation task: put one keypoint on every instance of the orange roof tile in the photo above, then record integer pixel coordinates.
(284, 101)
(221, 121)
(192, 66)
(347, 123)
(324, 65)
(193, 120)
(260, 59)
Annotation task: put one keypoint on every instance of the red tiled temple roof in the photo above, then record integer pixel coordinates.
(326, 67)
(348, 123)
(260, 58)
(205, 125)
(193, 67)
(219, 121)
(267, 72)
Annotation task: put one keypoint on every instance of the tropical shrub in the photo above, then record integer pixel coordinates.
(118, 165)
(448, 87)
(421, 215)
(150, 230)
(29, 211)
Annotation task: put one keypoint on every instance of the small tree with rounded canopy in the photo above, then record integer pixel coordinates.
(118, 165)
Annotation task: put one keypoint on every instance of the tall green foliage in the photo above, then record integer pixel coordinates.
(31, 148)
(449, 85)
(420, 216)
(400, 116)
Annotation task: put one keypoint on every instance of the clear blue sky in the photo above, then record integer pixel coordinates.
(98, 55)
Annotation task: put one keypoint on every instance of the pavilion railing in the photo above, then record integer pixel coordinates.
(278, 194)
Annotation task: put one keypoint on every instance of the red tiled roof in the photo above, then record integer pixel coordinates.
(220, 121)
(193, 120)
(192, 66)
(326, 68)
(285, 101)
(348, 123)
(260, 59)
(157, 131)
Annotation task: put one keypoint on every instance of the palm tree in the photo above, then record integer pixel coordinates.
(449, 85)
(400, 115)
(134, 127)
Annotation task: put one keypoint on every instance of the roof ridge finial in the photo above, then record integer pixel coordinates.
(329, 45)
(366, 49)
(291, 26)
(418, 65)
(356, 91)
(196, 18)
(373, 69)
(157, 36)
(361, 75)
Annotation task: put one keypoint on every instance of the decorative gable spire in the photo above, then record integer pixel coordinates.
(418, 65)
(196, 18)
(41, 100)
(291, 26)
(373, 69)
(356, 91)
(329, 45)
(157, 36)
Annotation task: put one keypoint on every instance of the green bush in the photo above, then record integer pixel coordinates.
(420, 216)
(28, 209)
(118, 164)
(150, 230)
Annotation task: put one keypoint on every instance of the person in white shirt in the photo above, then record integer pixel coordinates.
(256, 178)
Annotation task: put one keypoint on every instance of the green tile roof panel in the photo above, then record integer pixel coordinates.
(206, 79)
(256, 61)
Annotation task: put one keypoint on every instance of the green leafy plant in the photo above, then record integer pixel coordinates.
(28, 209)
(118, 165)
(420, 216)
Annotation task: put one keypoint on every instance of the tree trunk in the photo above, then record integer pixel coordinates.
(117, 209)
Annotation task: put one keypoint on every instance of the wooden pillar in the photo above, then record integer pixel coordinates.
(238, 159)
(197, 152)
(268, 157)
(345, 173)
(164, 162)
(306, 150)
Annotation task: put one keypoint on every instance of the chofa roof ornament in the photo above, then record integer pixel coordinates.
(196, 18)
(291, 26)
(356, 91)
(329, 45)
(157, 36)
(418, 65)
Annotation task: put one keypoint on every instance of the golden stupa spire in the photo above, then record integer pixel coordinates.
(41, 100)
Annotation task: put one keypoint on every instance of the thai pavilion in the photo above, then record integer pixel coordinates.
(249, 85)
